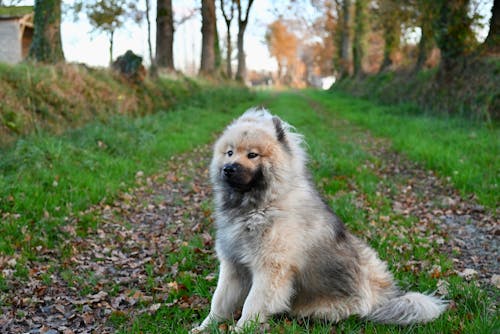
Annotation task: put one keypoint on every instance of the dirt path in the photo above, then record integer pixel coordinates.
(465, 230)
(121, 268)
(468, 233)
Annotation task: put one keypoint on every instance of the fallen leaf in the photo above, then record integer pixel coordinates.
(468, 274)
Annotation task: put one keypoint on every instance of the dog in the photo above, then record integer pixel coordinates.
(281, 248)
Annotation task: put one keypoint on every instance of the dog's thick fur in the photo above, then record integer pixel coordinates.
(281, 248)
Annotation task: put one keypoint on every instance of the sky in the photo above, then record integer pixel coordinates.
(82, 44)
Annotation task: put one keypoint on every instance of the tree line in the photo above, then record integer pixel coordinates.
(349, 39)
(354, 38)
(109, 15)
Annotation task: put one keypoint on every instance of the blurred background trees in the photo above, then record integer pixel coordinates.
(309, 39)
(492, 42)
(282, 45)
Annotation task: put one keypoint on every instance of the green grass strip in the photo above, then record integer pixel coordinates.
(465, 152)
(333, 154)
(45, 178)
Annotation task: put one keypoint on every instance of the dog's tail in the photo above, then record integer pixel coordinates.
(409, 308)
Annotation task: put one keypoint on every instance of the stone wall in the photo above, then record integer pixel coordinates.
(10, 41)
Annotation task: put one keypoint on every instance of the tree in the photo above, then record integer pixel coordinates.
(454, 35)
(164, 34)
(153, 70)
(9, 3)
(359, 32)
(425, 18)
(344, 37)
(242, 25)
(228, 14)
(282, 45)
(390, 19)
(207, 65)
(325, 27)
(492, 41)
(47, 45)
(107, 16)
(218, 57)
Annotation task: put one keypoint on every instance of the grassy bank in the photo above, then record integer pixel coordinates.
(54, 98)
(45, 179)
(465, 152)
(474, 92)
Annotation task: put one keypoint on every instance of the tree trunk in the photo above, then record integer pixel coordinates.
(207, 65)
(426, 38)
(152, 68)
(164, 35)
(111, 38)
(391, 39)
(241, 72)
(453, 28)
(229, 51)
(46, 45)
(345, 40)
(218, 57)
(423, 50)
(359, 32)
(492, 41)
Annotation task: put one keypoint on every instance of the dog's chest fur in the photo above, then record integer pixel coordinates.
(240, 237)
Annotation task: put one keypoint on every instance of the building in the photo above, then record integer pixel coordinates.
(16, 33)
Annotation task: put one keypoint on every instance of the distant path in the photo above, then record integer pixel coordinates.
(120, 269)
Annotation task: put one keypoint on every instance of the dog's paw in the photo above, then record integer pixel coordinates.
(236, 329)
(197, 330)
(259, 328)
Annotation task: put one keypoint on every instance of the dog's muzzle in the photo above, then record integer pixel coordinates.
(230, 170)
(242, 179)
(237, 176)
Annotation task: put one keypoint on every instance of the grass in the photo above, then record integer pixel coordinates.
(463, 151)
(474, 92)
(333, 156)
(9, 11)
(53, 98)
(44, 179)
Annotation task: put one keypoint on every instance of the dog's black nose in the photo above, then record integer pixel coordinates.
(229, 170)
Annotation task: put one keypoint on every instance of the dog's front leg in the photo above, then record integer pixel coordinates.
(272, 288)
(228, 296)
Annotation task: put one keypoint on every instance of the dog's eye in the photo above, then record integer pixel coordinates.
(229, 153)
(252, 155)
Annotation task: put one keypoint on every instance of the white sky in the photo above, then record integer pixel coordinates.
(81, 44)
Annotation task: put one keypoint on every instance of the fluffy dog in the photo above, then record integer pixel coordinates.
(281, 248)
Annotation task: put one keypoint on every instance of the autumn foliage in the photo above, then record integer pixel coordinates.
(283, 46)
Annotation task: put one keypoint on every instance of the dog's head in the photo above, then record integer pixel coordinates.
(250, 152)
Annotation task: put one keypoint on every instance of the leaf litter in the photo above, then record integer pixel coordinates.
(464, 230)
(122, 269)
(468, 232)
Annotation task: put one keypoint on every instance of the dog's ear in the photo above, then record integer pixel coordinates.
(280, 132)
